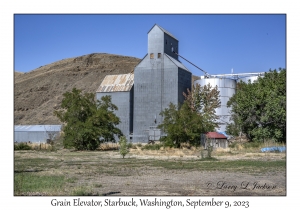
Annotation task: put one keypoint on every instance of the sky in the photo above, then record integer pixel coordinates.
(218, 44)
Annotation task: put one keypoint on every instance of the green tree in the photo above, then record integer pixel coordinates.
(185, 124)
(204, 100)
(259, 108)
(123, 146)
(87, 121)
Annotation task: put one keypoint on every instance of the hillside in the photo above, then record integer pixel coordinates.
(38, 93)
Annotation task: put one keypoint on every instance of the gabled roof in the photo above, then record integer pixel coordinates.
(116, 83)
(215, 135)
(165, 31)
(141, 60)
(177, 63)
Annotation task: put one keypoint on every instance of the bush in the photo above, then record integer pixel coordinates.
(167, 142)
(130, 145)
(123, 146)
(22, 146)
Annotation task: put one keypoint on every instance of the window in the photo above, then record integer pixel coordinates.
(166, 41)
(151, 55)
(159, 55)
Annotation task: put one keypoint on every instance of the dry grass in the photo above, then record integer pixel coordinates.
(103, 172)
(109, 146)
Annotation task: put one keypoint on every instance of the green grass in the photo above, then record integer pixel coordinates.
(82, 191)
(234, 166)
(208, 159)
(35, 164)
(38, 172)
(28, 182)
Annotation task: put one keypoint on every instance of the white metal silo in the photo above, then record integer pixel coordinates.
(227, 89)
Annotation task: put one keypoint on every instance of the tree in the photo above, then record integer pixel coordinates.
(204, 100)
(184, 124)
(123, 146)
(259, 108)
(86, 120)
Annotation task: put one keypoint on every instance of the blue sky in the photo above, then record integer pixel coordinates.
(215, 43)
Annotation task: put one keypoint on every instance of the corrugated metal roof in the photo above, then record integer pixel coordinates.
(176, 62)
(37, 127)
(164, 30)
(116, 83)
(215, 135)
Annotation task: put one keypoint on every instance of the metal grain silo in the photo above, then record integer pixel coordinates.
(227, 89)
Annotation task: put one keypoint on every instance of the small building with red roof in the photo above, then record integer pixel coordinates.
(215, 139)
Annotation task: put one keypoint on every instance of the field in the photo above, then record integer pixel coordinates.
(179, 172)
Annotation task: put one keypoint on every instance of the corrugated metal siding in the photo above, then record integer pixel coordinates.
(35, 133)
(167, 32)
(124, 102)
(164, 30)
(116, 83)
(37, 128)
(177, 63)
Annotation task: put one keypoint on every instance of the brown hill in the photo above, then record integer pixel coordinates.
(39, 92)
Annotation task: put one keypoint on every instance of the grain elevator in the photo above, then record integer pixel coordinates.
(159, 79)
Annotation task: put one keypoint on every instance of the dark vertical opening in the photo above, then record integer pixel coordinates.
(131, 109)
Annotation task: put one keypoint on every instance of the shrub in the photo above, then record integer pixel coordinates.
(22, 146)
(130, 145)
(123, 146)
(167, 142)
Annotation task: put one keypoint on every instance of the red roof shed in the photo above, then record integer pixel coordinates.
(215, 135)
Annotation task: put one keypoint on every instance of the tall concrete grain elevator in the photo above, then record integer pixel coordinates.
(159, 79)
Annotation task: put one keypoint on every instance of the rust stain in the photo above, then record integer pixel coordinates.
(114, 83)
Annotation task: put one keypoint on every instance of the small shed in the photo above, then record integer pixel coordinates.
(215, 139)
(36, 133)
